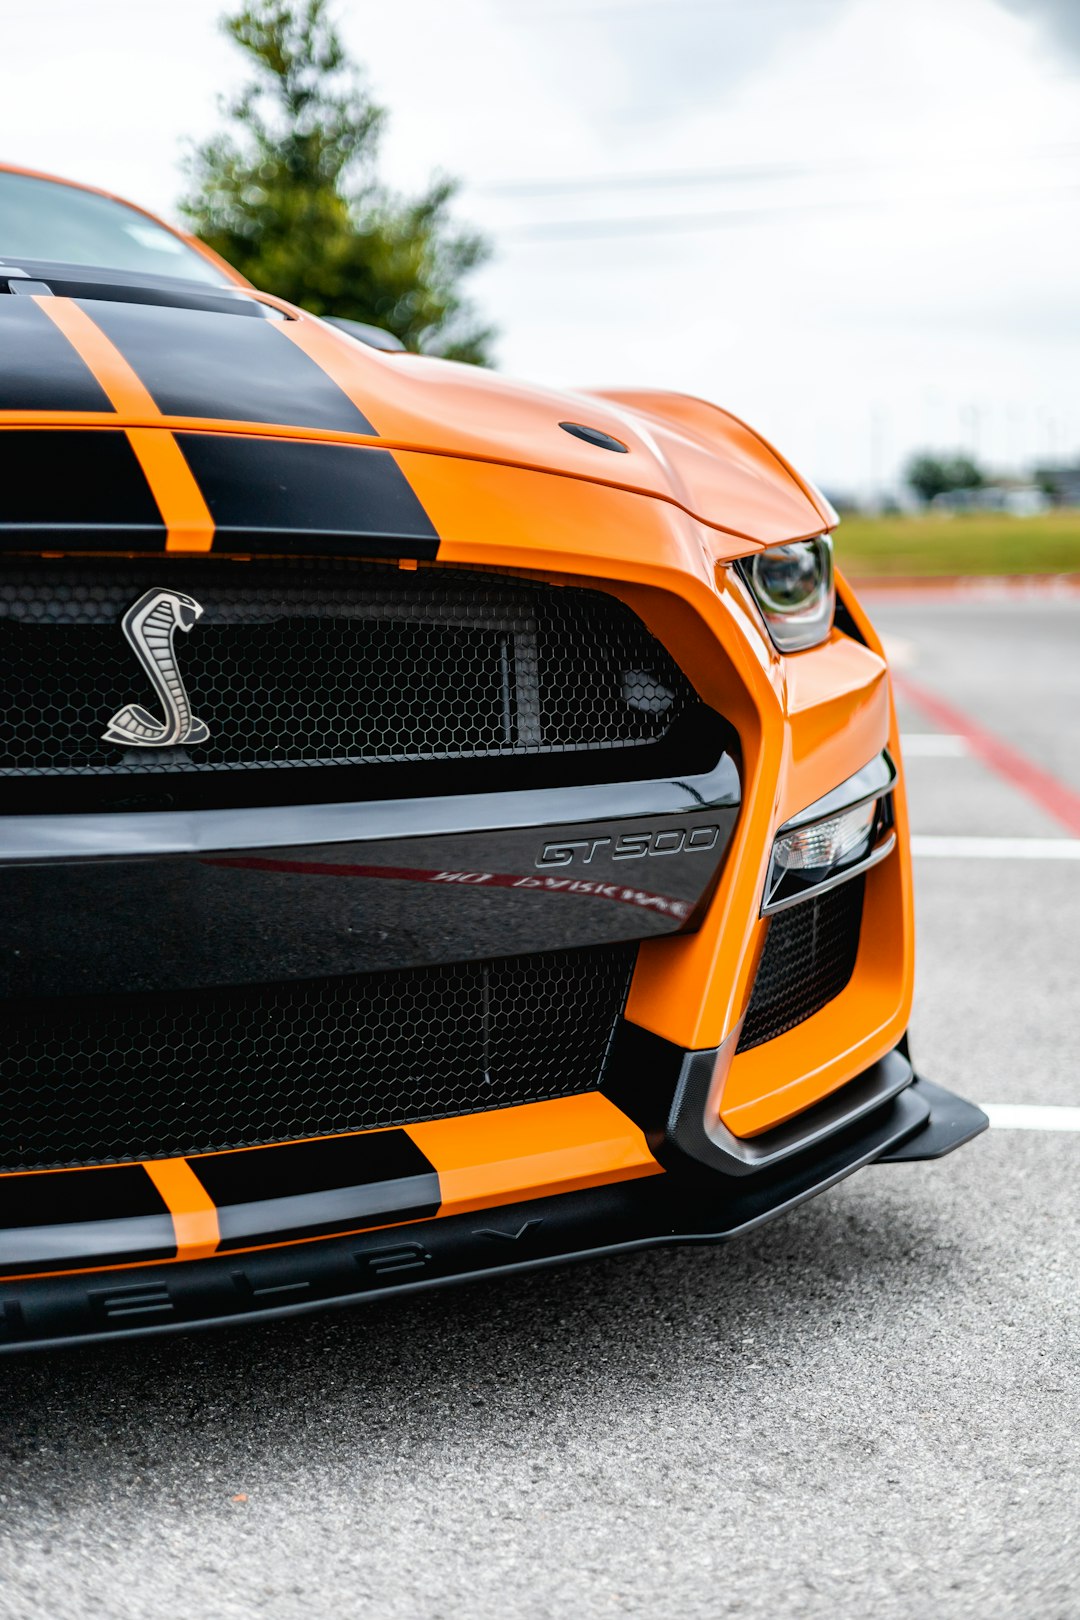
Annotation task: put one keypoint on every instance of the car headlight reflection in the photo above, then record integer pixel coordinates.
(793, 588)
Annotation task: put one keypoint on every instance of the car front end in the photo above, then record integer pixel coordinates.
(448, 826)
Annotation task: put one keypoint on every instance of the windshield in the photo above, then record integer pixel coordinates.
(44, 219)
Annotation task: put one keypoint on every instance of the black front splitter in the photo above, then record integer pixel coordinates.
(676, 1207)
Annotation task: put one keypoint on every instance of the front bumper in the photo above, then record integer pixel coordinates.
(686, 1205)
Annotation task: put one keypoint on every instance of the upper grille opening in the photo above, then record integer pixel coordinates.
(356, 665)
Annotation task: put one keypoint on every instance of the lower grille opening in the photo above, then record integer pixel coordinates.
(809, 957)
(92, 1080)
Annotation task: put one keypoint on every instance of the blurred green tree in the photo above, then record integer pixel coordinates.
(929, 475)
(291, 198)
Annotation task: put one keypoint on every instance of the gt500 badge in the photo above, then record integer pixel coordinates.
(630, 846)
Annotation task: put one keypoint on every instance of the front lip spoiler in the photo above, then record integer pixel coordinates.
(922, 1121)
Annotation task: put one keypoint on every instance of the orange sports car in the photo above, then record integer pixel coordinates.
(449, 826)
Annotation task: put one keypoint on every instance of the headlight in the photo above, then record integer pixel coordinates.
(833, 839)
(793, 587)
(817, 851)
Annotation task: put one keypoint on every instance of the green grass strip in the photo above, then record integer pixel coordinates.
(970, 543)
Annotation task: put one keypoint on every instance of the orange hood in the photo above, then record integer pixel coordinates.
(678, 448)
(82, 354)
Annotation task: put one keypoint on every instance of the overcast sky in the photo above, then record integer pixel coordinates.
(854, 222)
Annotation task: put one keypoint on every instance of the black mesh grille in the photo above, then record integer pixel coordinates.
(82, 1081)
(809, 957)
(300, 664)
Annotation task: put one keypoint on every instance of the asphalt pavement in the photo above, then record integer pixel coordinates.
(869, 1407)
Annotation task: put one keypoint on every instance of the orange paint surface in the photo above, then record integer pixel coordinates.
(194, 1215)
(188, 524)
(127, 393)
(732, 481)
(532, 1151)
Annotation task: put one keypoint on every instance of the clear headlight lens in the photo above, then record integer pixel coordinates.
(817, 851)
(831, 840)
(793, 587)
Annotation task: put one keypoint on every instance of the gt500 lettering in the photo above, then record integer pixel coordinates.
(630, 846)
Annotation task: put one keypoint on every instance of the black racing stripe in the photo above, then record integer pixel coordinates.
(267, 494)
(39, 369)
(200, 364)
(62, 1219)
(75, 491)
(302, 1189)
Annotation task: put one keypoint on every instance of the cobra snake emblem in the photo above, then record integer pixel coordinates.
(150, 624)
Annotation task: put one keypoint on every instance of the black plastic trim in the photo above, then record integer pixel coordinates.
(71, 281)
(374, 337)
(875, 781)
(844, 619)
(131, 283)
(952, 1123)
(207, 911)
(882, 849)
(93, 836)
(674, 1096)
(871, 782)
(695, 1128)
(595, 436)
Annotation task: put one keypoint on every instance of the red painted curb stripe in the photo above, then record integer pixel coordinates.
(1058, 800)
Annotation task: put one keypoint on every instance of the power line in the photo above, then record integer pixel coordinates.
(739, 174)
(719, 219)
(648, 179)
(648, 224)
(611, 8)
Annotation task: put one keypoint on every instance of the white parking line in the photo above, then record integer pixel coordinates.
(997, 849)
(1031, 1117)
(933, 745)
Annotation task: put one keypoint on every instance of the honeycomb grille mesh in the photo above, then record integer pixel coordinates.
(809, 957)
(133, 1077)
(299, 664)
